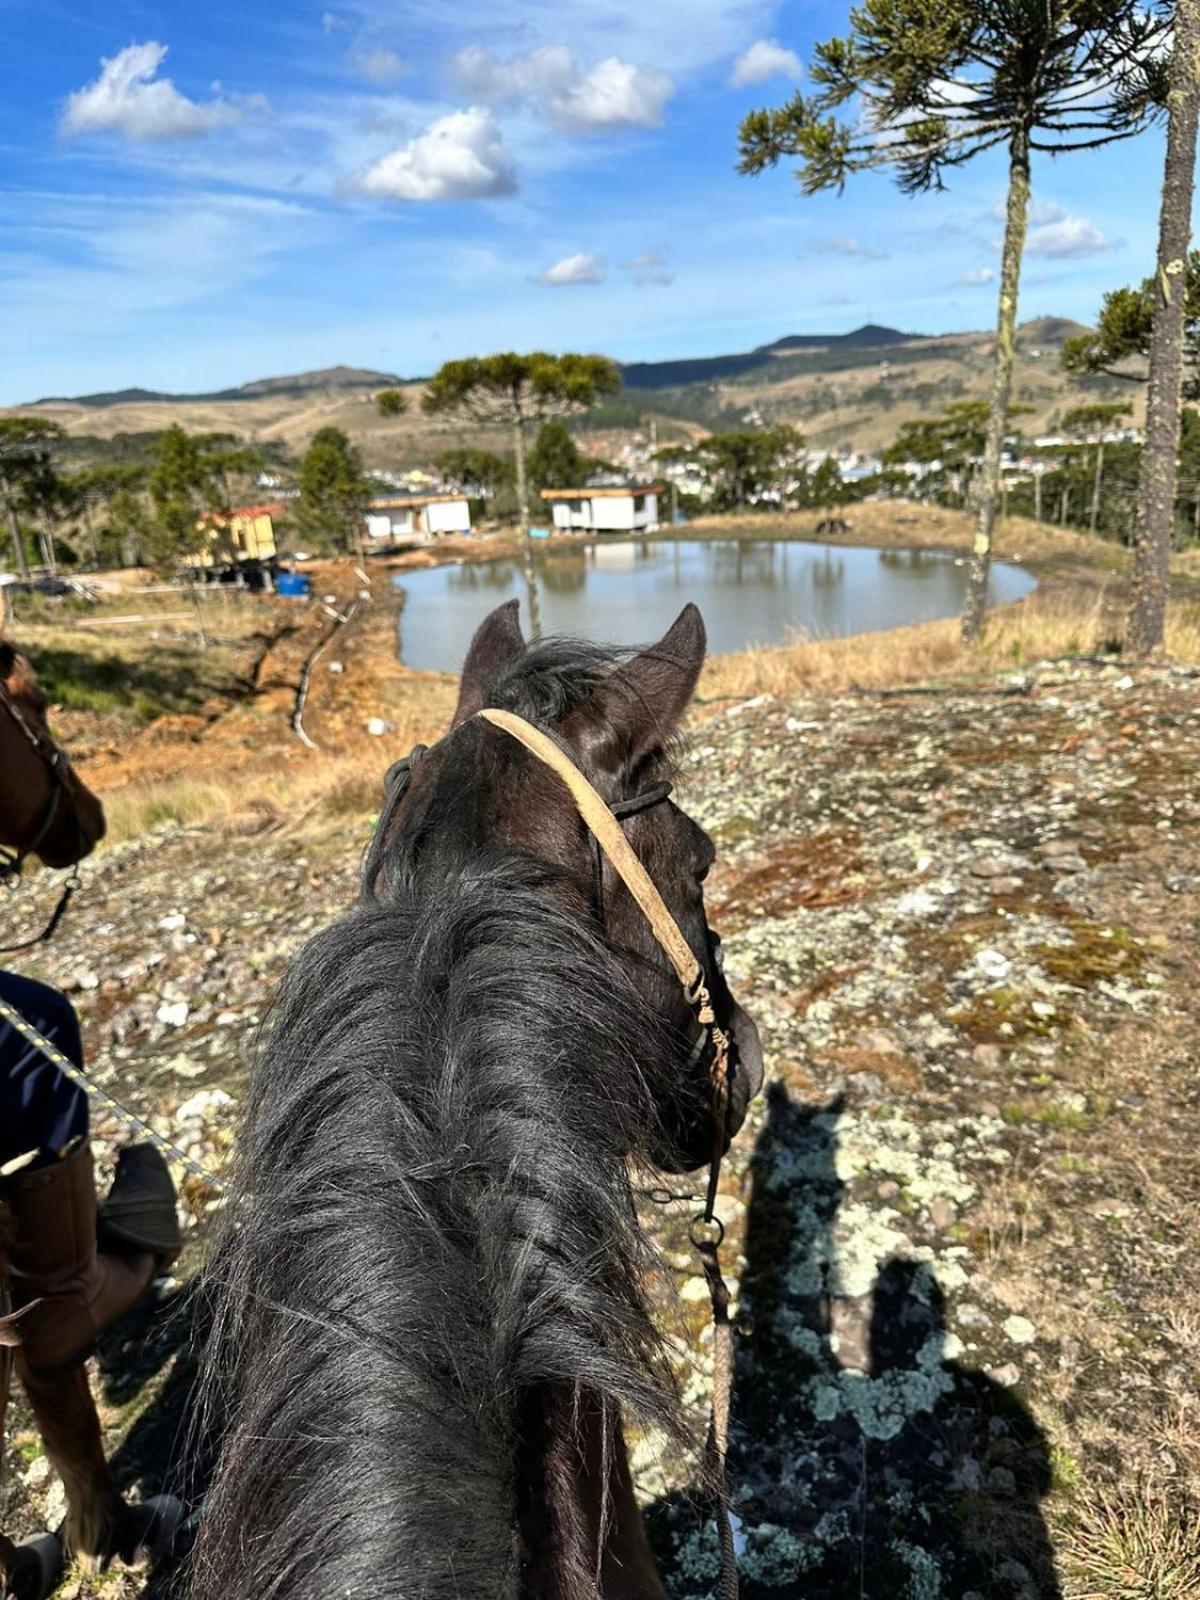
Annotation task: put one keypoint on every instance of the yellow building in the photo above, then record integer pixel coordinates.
(247, 533)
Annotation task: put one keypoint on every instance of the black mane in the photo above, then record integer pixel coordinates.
(434, 1213)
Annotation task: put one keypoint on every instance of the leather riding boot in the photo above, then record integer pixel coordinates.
(67, 1292)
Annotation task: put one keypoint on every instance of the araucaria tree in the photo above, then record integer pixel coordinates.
(1146, 622)
(1119, 345)
(939, 82)
(512, 391)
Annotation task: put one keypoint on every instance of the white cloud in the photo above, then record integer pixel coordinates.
(1065, 238)
(458, 157)
(129, 98)
(766, 58)
(332, 23)
(850, 246)
(978, 276)
(649, 269)
(580, 268)
(613, 94)
(377, 62)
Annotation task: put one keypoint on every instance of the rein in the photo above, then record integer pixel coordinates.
(12, 859)
(706, 1230)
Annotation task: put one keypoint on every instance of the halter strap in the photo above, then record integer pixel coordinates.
(607, 832)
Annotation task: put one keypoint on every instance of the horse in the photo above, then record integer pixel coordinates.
(431, 1308)
(46, 810)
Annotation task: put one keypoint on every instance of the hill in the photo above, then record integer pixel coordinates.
(852, 388)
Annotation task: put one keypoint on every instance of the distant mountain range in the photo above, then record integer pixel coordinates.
(855, 388)
(859, 344)
(297, 385)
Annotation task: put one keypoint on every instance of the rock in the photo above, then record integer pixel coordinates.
(941, 1213)
(172, 921)
(378, 726)
(203, 1106)
(988, 1055)
(1050, 848)
(1020, 1330)
(337, 667)
(864, 1085)
(1067, 864)
(1001, 866)
(992, 964)
(878, 1042)
(84, 979)
(172, 1013)
(1004, 885)
(1007, 1376)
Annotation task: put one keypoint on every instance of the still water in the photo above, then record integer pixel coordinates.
(751, 592)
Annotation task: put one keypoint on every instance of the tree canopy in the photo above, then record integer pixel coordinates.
(1119, 345)
(938, 84)
(333, 491)
(511, 389)
(556, 461)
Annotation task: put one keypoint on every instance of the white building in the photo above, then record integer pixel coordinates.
(417, 516)
(624, 508)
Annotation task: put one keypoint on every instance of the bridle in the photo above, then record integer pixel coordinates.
(706, 1231)
(13, 858)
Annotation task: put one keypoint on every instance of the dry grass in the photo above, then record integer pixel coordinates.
(1046, 627)
(1130, 1545)
(266, 797)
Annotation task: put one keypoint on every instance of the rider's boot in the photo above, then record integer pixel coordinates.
(68, 1291)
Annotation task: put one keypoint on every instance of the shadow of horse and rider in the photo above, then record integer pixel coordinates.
(867, 1461)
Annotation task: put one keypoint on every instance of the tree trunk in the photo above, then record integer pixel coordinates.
(18, 542)
(1015, 223)
(1097, 485)
(1146, 620)
(1037, 497)
(531, 587)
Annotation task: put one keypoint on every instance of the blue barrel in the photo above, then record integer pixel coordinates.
(295, 584)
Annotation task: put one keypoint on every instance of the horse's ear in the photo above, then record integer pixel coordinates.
(497, 640)
(644, 701)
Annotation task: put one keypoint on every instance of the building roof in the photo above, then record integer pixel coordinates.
(245, 511)
(623, 491)
(398, 502)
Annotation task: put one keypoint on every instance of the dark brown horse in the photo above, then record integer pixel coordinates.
(431, 1313)
(46, 810)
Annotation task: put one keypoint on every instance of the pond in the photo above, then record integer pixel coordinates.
(762, 591)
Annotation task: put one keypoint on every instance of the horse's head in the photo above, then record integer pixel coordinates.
(45, 808)
(617, 715)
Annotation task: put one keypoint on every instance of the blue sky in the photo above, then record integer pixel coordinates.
(194, 196)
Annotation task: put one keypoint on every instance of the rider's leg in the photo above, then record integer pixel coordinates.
(68, 1291)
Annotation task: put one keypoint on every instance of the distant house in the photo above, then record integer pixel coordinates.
(245, 533)
(621, 508)
(419, 516)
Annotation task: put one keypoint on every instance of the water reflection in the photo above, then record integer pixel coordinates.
(759, 591)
